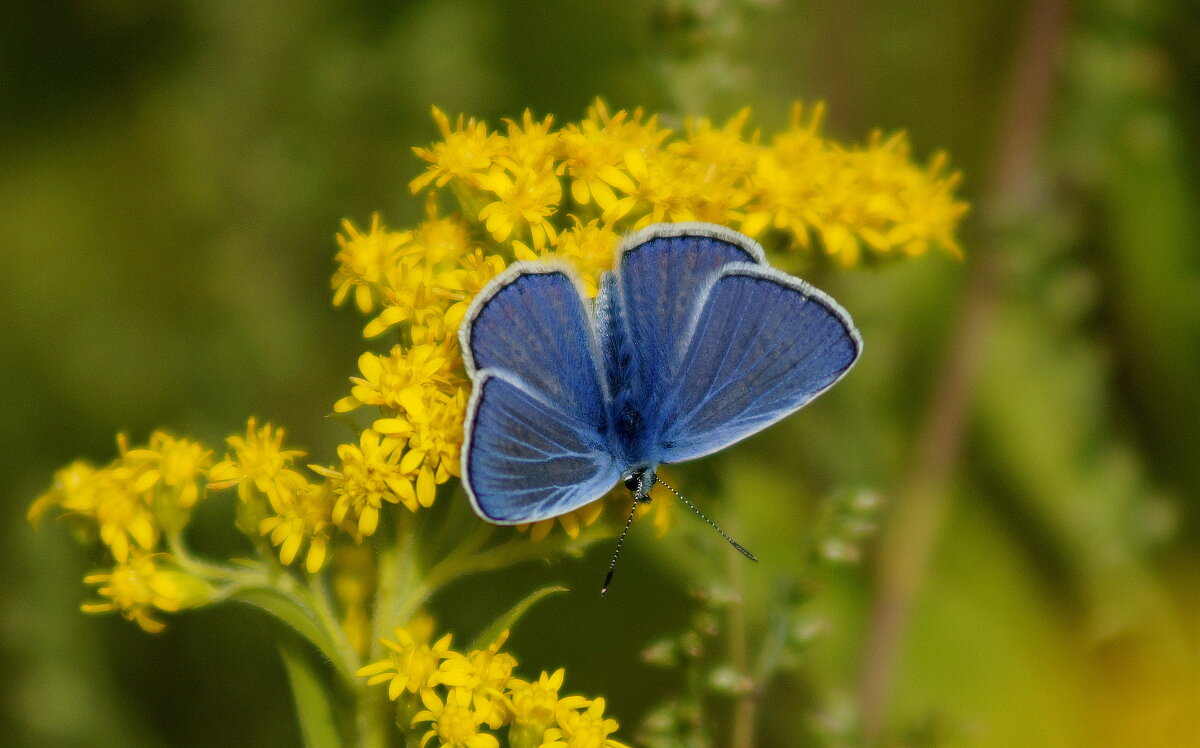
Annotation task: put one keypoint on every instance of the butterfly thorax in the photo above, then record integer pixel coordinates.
(630, 442)
(629, 434)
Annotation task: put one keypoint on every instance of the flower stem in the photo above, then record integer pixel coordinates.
(317, 595)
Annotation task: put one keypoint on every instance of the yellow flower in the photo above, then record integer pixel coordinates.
(668, 188)
(454, 723)
(465, 151)
(436, 441)
(530, 144)
(482, 673)
(306, 515)
(74, 478)
(143, 584)
(397, 382)
(411, 666)
(371, 474)
(474, 271)
(588, 247)
(724, 149)
(116, 498)
(437, 240)
(524, 202)
(900, 207)
(869, 201)
(663, 506)
(593, 153)
(259, 462)
(411, 294)
(534, 705)
(177, 464)
(364, 261)
(582, 729)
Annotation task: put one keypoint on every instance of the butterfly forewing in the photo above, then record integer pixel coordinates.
(762, 345)
(660, 272)
(533, 324)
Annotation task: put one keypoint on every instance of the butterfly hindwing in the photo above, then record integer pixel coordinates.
(761, 346)
(524, 459)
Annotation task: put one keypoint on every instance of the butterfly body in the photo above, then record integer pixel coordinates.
(693, 343)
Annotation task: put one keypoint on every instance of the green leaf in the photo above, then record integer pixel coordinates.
(509, 618)
(310, 693)
(300, 618)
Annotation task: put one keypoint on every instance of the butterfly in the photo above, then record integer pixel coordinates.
(693, 343)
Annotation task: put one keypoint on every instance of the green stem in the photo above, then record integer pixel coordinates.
(387, 572)
(247, 574)
(398, 574)
(511, 552)
(316, 593)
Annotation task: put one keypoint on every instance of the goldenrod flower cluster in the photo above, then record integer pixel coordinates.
(129, 505)
(276, 499)
(535, 190)
(470, 699)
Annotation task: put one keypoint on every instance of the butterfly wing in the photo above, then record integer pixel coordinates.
(643, 313)
(531, 322)
(761, 345)
(660, 271)
(524, 459)
(534, 443)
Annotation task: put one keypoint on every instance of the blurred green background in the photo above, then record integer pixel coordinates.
(171, 179)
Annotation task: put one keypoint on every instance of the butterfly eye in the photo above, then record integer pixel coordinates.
(632, 480)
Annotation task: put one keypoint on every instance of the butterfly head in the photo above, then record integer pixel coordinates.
(638, 480)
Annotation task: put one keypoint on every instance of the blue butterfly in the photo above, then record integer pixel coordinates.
(692, 344)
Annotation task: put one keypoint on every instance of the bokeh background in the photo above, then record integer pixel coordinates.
(172, 176)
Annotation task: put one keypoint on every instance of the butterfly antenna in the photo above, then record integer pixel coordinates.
(712, 524)
(639, 497)
(621, 540)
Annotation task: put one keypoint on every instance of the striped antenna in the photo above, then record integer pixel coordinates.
(638, 498)
(711, 524)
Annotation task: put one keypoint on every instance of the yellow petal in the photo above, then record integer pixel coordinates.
(617, 178)
(579, 192)
(287, 552)
(363, 298)
(636, 162)
(426, 488)
(368, 520)
(316, 555)
(411, 399)
(392, 426)
(370, 366)
(411, 460)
